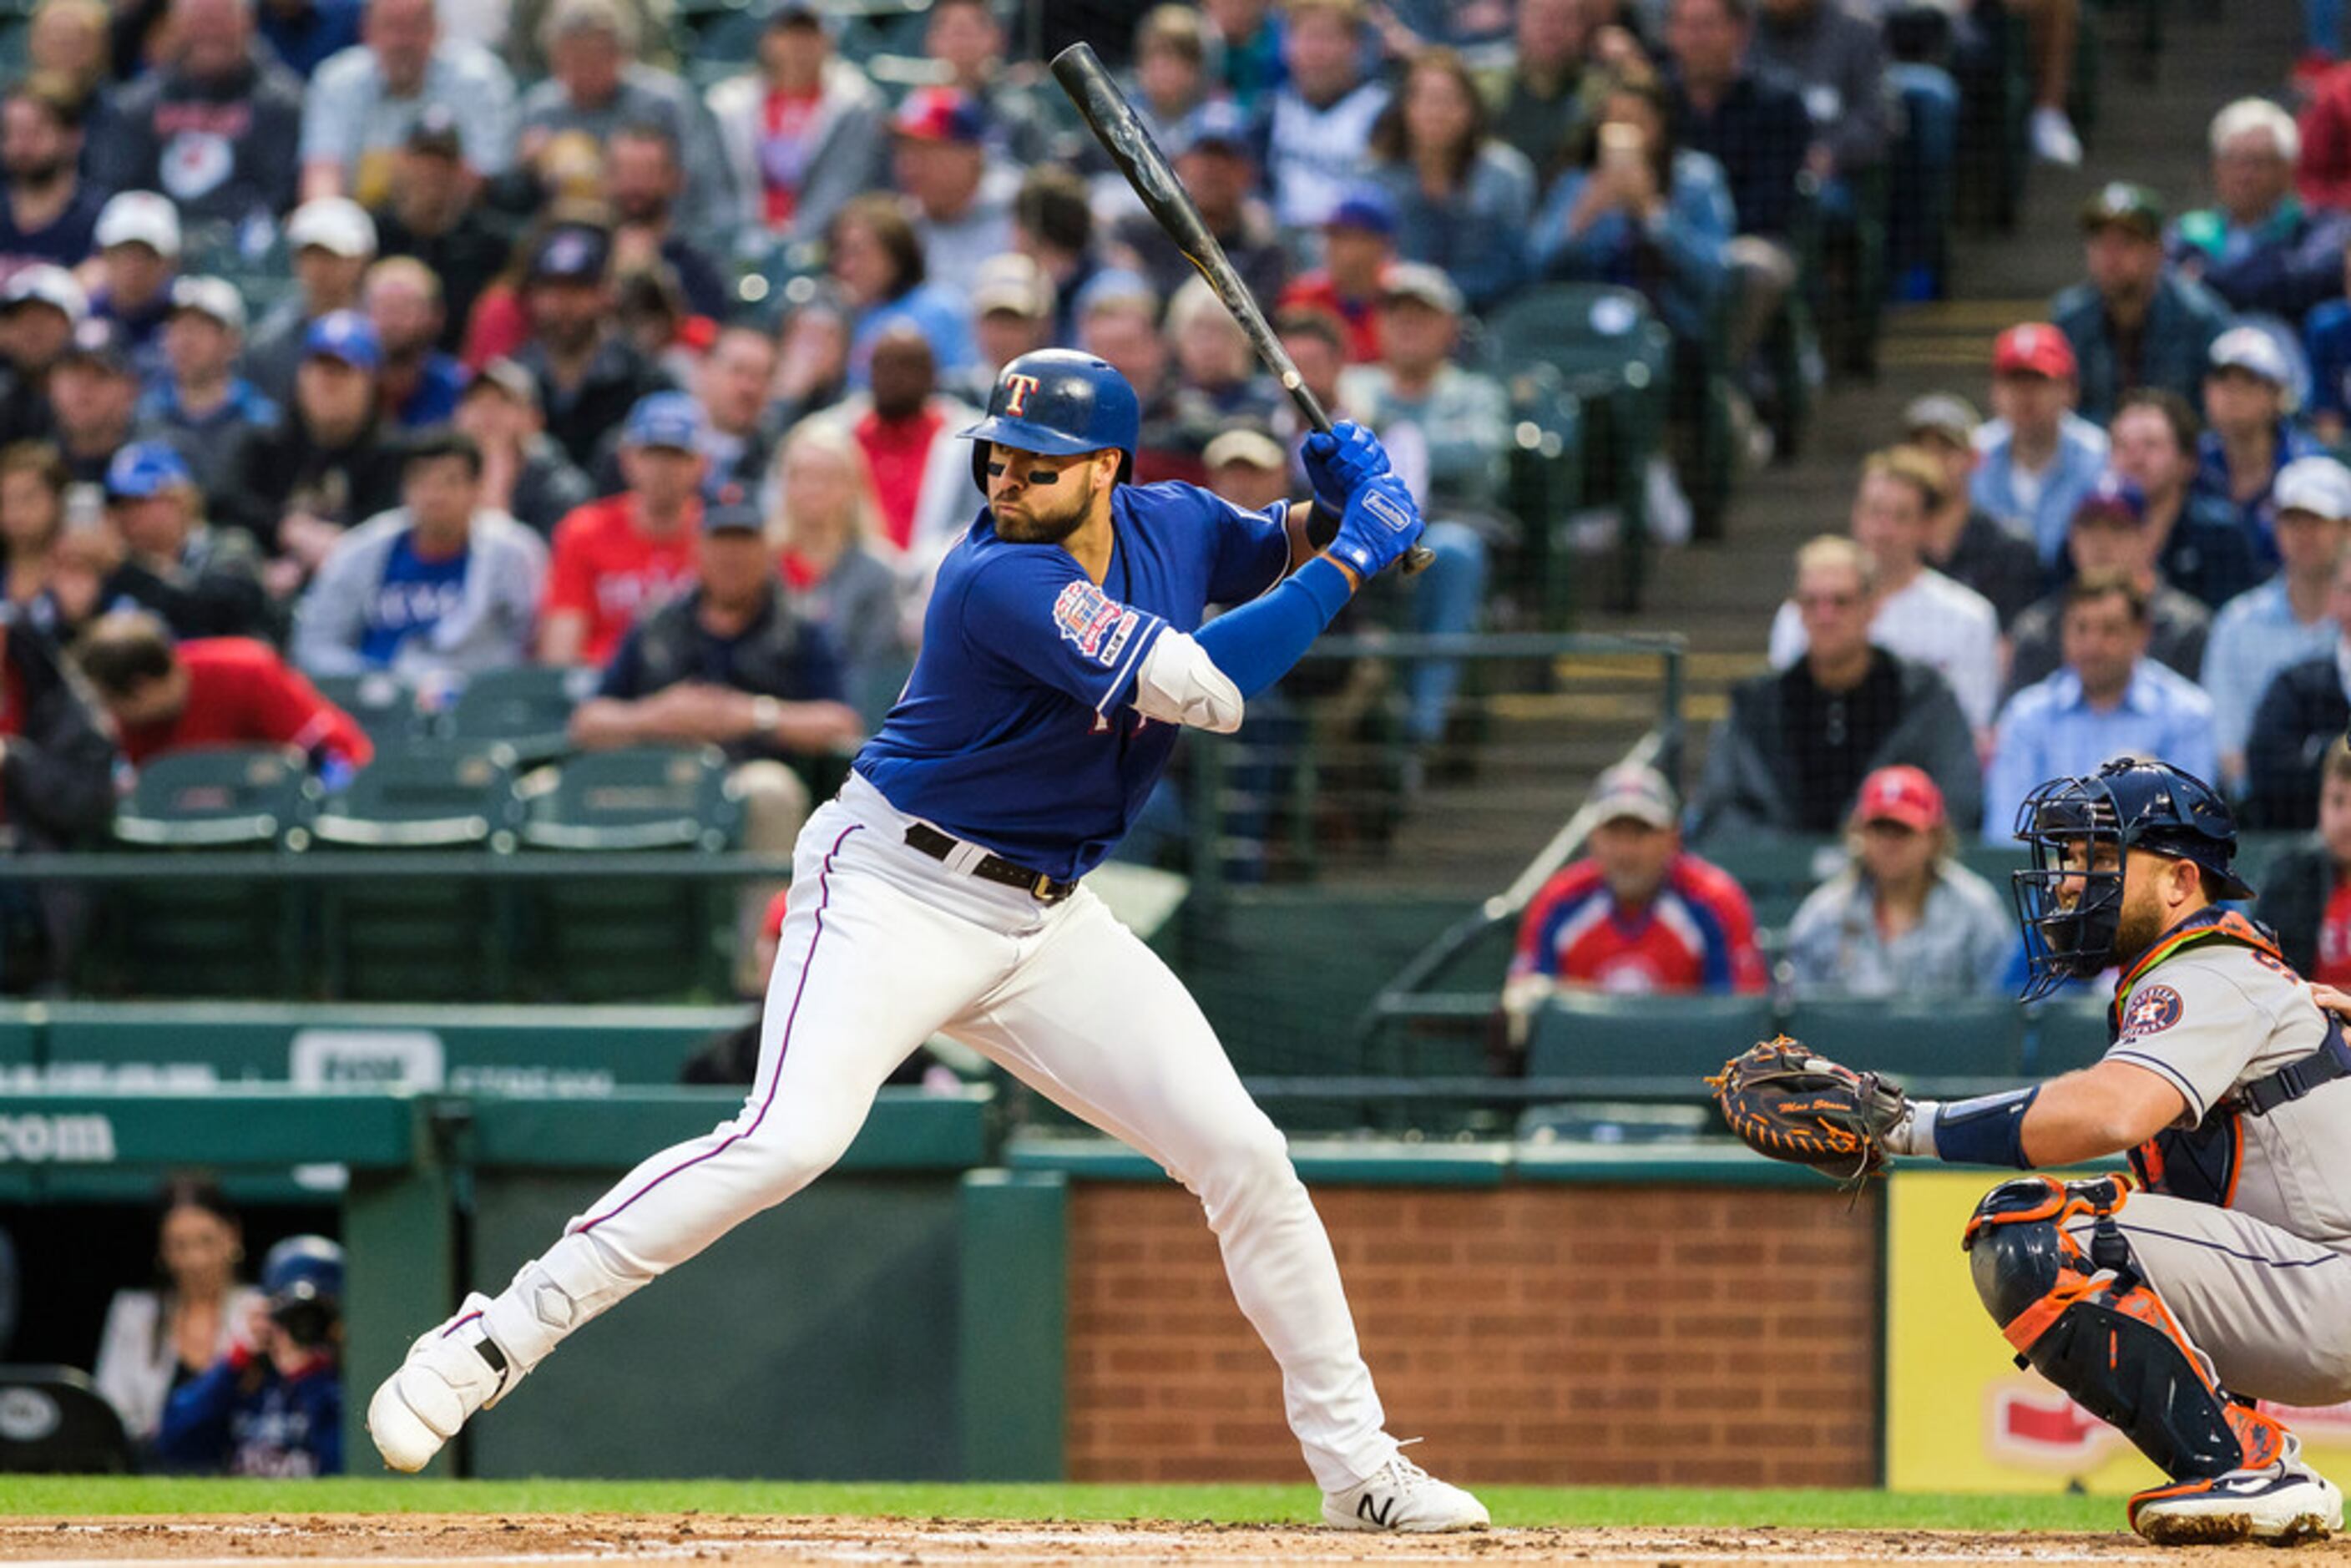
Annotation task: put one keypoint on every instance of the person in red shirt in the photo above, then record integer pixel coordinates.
(805, 131)
(211, 691)
(1641, 914)
(617, 557)
(922, 473)
(1358, 243)
(2305, 890)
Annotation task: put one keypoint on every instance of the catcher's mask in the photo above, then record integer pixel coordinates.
(2070, 903)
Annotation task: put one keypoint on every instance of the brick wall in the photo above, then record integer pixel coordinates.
(1690, 1335)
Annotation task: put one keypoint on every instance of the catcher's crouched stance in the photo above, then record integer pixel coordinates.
(2224, 1275)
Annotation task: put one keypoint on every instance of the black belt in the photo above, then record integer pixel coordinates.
(992, 868)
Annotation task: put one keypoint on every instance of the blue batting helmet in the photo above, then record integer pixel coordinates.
(1060, 403)
(2069, 905)
(302, 1269)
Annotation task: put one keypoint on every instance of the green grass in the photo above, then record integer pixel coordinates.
(1237, 1504)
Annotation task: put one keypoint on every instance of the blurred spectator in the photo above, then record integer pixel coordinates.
(1358, 243)
(1218, 381)
(67, 40)
(2304, 710)
(94, 390)
(878, 267)
(598, 83)
(2326, 344)
(33, 480)
(217, 128)
(2052, 28)
(1904, 918)
(2110, 535)
(274, 1404)
(155, 552)
(1964, 542)
(828, 527)
(203, 407)
(2037, 458)
(1251, 55)
(1316, 342)
(41, 307)
(589, 374)
(908, 430)
(1319, 131)
(306, 33)
(2256, 248)
(523, 474)
(642, 182)
(2250, 433)
(811, 359)
(2306, 892)
(333, 243)
(1012, 313)
(1214, 153)
(2266, 630)
(1796, 744)
(1641, 914)
(1539, 95)
(431, 213)
(1637, 211)
(365, 103)
(1053, 227)
(2199, 547)
(1463, 199)
(56, 758)
(137, 239)
(439, 587)
(1170, 79)
(1835, 56)
(2138, 323)
(157, 1338)
(50, 212)
(328, 466)
(731, 383)
(965, 36)
(959, 197)
(618, 558)
(1118, 322)
(166, 695)
(1248, 468)
(2108, 700)
(2321, 172)
(805, 131)
(419, 384)
(1921, 614)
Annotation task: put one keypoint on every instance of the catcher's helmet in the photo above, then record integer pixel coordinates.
(1060, 403)
(2129, 803)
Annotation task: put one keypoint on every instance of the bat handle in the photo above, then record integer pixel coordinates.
(1416, 559)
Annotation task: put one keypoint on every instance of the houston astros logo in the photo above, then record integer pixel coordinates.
(1016, 393)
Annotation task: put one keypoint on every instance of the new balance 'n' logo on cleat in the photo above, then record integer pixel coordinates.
(1400, 1496)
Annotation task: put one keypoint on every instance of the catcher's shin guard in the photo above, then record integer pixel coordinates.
(2088, 1323)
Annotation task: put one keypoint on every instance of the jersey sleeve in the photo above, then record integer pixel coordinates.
(1037, 612)
(1252, 550)
(296, 712)
(2192, 1026)
(571, 583)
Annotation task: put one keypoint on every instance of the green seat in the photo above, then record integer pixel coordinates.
(2067, 1032)
(378, 702)
(1657, 1047)
(527, 708)
(1545, 488)
(436, 797)
(640, 797)
(1917, 1039)
(220, 797)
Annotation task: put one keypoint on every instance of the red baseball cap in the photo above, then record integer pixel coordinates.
(2034, 348)
(1900, 794)
(940, 114)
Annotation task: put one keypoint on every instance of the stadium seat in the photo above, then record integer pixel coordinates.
(1917, 1040)
(1662, 1046)
(528, 708)
(640, 797)
(220, 797)
(440, 797)
(58, 1423)
(378, 702)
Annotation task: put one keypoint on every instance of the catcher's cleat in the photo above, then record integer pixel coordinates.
(1402, 1496)
(2282, 1501)
(450, 1372)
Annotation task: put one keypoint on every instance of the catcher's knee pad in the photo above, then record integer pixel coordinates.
(2086, 1319)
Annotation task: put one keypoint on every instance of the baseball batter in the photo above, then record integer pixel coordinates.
(2224, 1275)
(939, 892)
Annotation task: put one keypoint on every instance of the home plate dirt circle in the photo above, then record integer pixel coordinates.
(528, 1541)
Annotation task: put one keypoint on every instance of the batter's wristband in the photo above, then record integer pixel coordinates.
(1321, 525)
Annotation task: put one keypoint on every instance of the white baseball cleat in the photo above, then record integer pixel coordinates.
(2285, 1502)
(1401, 1495)
(451, 1372)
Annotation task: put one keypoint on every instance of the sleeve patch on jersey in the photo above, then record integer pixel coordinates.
(1095, 624)
(2150, 1010)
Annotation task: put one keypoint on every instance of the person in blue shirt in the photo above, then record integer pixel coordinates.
(201, 406)
(1065, 645)
(420, 385)
(2250, 434)
(274, 1404)
(47, 211)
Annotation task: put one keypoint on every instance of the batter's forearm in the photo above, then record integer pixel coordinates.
(1256, 644)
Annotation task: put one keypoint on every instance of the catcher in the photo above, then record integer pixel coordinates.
(2223, 1275)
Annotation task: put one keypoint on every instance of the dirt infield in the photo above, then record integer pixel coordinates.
(526, 1540)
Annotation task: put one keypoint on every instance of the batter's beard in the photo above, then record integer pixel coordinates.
(1027, 528)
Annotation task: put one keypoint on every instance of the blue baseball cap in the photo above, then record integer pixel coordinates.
(146, 468)
(1365, 207)
(1216, 124)
(345, 335)
(665, 419)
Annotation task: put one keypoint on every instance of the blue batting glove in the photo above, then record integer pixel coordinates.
(1342, 461)
(1381, 523)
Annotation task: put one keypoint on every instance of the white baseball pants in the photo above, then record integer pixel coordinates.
(886, 946)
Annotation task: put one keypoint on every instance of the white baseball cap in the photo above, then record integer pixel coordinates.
(140, 217)
(44, 282)
(335, 223)
(2255, 351)
(2320, 486)
(213, 297)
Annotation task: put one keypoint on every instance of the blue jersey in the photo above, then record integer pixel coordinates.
(1014, 730)
(411, 600)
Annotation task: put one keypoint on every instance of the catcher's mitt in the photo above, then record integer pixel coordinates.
(1784, 1101)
